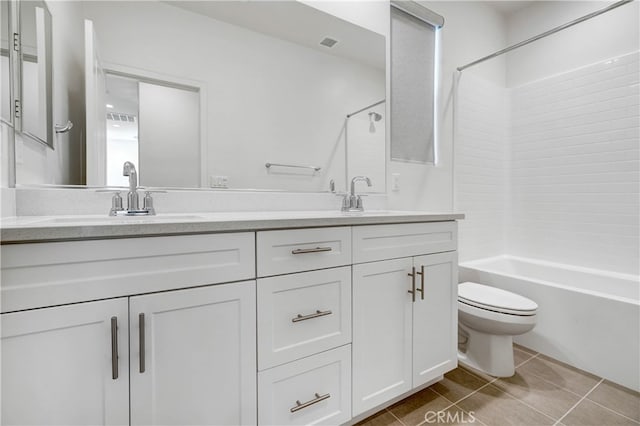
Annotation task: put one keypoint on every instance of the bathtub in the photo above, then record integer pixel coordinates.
(587, 318)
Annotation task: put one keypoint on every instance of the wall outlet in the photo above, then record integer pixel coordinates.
(395, 181)
(219, 181)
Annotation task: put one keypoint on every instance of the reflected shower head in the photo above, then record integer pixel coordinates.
(373, 116)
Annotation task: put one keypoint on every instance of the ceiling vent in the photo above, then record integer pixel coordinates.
(115, 116)
(328, 42)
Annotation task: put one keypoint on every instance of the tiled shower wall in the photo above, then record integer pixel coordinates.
(574, 169)
(569, 162)
(481, 182)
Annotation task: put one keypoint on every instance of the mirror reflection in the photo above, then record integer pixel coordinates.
(207, 93)
(5, 80)
(36, 117)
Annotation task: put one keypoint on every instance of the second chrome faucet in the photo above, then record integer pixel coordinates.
(351, 201)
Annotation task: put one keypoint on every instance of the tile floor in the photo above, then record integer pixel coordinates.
(542, 392)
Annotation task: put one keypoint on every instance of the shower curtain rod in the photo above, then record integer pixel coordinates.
(545, 34)
(366, 108)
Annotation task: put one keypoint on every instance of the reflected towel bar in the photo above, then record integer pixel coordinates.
(314, 168)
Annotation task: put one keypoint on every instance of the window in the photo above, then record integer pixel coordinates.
(413, 78)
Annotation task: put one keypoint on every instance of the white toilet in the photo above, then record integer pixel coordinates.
(488, 318)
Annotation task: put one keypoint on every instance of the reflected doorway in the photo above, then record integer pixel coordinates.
(155, 125)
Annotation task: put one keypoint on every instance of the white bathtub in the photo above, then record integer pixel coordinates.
(586, 317)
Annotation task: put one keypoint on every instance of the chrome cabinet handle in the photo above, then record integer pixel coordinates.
(142, 342)
(421, 289)
(311, 250)
(114, 348)
(413, 284)
(317, 314)
(301, 405)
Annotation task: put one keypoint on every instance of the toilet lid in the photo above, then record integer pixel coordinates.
(495, 299)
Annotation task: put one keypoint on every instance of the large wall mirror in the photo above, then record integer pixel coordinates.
(273, 95)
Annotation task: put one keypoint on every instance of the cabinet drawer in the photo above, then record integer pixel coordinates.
(302, 314)
(282, 252)
(380, 242)
(313, 390)
(46, 274)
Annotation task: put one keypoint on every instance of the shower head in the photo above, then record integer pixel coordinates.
(373, 116)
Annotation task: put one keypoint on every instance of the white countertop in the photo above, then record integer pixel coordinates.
(58, 228)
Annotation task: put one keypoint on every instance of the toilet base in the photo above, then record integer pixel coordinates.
(490, 353)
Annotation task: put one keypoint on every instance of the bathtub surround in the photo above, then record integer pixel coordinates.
(560, 168)
(481, 179)
(575, 167)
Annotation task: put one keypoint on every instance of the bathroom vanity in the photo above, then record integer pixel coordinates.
(252, 318)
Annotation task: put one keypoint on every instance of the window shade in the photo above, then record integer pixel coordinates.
(412, 88)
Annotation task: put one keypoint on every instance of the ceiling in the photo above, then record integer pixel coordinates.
(509, 7)
(298, 23)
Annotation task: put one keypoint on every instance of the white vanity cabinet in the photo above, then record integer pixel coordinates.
(304, 326)
(192, 351)
(58, 368)
(404, 310)
(193, 356)
(319, 325)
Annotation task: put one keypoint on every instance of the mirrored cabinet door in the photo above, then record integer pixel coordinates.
(36, 71)
(5, 63)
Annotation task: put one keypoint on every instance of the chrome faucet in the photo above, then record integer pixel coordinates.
(351, 201)
(133, 200)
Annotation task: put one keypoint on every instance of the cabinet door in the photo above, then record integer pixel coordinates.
(435, 317)
(57, 365)
(193, 357)
(381, 332)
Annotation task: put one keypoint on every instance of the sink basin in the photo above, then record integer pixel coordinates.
(118, 219)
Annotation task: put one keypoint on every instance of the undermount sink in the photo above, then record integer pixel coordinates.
(119, 219)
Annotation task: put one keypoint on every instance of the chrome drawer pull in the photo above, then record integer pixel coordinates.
(114, 348)
(142, 343)
(301, 317)
(412, 292)
(311, 250)
(301, 405)
(421, 289)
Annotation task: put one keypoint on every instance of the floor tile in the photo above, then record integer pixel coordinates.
(589, 414)
(524, 349)
(560, 374)
(481, 374)
(617, 398)
(411, 411)
(538, 393)
(383, 418)
(494, 407)
(520, 357)
(457, 384)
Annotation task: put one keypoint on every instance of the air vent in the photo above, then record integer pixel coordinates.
(328, 42)
(115, 116)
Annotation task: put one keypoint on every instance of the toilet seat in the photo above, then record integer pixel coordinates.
(495, 299)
